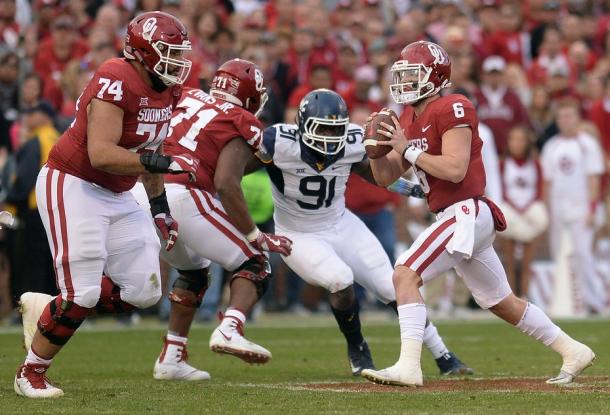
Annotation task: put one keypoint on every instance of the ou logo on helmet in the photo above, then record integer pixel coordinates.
(438, 53)
(149, 28)
(258, 79)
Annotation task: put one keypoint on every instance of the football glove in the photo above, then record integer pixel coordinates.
(159, 163)
(159, 208)
(269, 242)
(407, 188)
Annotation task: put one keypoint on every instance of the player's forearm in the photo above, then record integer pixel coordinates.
(154, 184)
(114, 159)
(234, 203)
(444, 167)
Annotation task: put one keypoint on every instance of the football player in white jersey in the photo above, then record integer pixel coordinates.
(309, 164)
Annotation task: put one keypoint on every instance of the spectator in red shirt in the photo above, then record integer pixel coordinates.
(347, 62)
(363, 91)
(599, 114)
(320, 78)
(509, 41)
(54, 54)
(301, 54)
(551, 58)
(498, 106)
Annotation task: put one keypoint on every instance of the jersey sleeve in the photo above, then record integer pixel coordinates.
(107, 85)
(458, 112)
(594, 160)
(265, 154)
(250, 129)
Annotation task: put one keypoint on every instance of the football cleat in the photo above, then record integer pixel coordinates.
(578, 358)
(395, 375)
(31, 381)
(359, 357)
(172, 364)
(31, 306)
(228, 338)
(449, 364)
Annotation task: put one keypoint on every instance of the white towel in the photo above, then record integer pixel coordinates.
(465, 222)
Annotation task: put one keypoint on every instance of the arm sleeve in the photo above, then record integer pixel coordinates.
(456, 113)
(28, 165)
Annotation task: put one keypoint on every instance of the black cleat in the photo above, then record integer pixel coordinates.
(359, 357)
(449, 364)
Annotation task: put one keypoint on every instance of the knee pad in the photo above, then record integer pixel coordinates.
(60, 319)
(257, 270)
(193, 281)
(110, 299)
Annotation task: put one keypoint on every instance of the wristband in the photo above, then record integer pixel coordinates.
(411, 154)
(155, 162)
(253, 234)
(159, 204)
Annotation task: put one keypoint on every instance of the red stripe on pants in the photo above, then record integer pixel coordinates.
(227, 232)
(433, 256)
(52, 224)
(429, 240)
(65, 262)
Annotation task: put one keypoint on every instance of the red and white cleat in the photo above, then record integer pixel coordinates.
(172, 364)
(31, 306)
(31, 381)
(228, 338)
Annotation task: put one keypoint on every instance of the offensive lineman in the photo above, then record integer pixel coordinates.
(437, 136)
(309, 164)
(220, 130)
(93, 223)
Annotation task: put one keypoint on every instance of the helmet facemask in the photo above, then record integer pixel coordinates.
(326, 136)
(173, 68)
(411, 82)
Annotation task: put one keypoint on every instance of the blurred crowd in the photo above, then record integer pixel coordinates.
(536, 70)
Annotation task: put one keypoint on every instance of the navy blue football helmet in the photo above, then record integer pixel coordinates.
(322, 122)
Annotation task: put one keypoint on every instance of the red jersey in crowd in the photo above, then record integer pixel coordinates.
(202, 125)
(146, 117)
(365, 198)
(426, 133)
(500, 110)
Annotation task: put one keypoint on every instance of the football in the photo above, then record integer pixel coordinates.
(371, 136)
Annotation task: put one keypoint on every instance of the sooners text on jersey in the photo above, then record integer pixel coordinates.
(426, 132)
(201, 126)
(146, 116)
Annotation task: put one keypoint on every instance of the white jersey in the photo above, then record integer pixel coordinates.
(306, 199)
(521, 182)
(567, 163)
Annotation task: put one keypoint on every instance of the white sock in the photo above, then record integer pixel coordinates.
(434, 342)
(175, 338)
(231, 315)
(538, 325)
(412, 320)
(33, 358)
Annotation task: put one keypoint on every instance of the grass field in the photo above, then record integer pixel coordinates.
(110, 372)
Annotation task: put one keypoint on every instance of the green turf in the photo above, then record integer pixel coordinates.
(109, 372)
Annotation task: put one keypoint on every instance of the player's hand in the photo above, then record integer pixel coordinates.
(367, 123)
(269, 242)
(396, 135)
(168, 228)
(159, 209)
(183, 163)
(407, 188)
